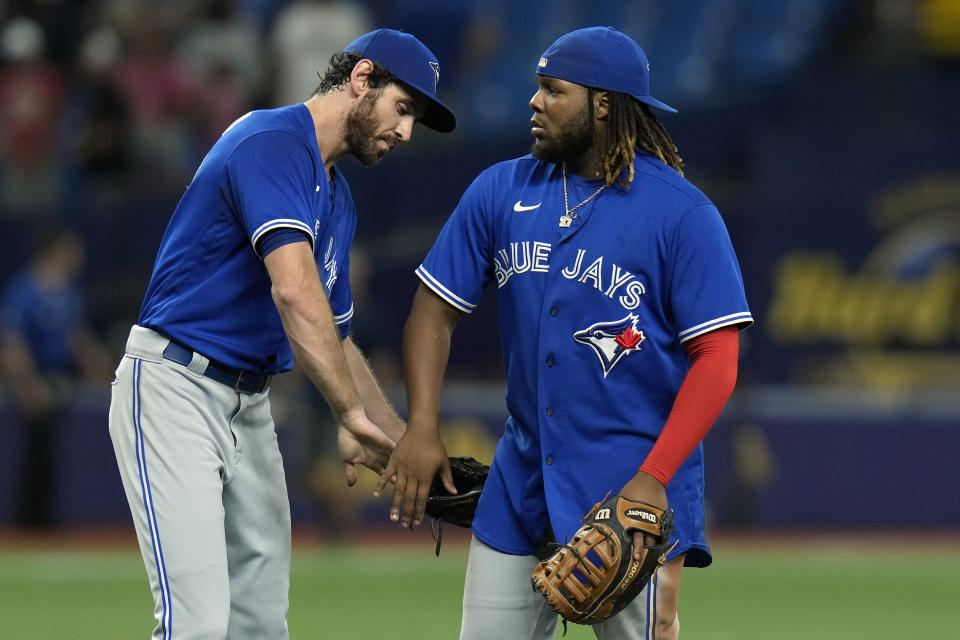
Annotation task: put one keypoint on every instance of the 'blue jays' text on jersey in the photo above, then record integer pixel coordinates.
(592, 319)
(210, 290)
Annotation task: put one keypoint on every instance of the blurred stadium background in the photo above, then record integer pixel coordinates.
(825, 130)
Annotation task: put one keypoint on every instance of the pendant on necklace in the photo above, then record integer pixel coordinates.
(565, 221)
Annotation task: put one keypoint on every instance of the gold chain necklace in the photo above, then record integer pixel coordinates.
(567, 219)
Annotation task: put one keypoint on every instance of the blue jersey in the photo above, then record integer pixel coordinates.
(46, 319)
(210, 289)
(592, 320)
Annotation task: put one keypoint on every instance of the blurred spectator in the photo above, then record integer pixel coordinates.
(46, 349)
(96, 122)
(306, 33)
(161, 92)
(30, 97)
(221, 35)
(62, 22)
(222, 49)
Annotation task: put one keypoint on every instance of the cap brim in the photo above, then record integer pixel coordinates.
(439, 117)
(650, 100)
(656, 104)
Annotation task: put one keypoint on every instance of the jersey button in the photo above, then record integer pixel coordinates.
(550, 361)
(549, 411)
(549, 460)
(554, 311)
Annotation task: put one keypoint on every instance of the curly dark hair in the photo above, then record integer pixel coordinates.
(341, 66)
(631, 125)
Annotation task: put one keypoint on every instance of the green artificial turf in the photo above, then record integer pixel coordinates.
(400, 593)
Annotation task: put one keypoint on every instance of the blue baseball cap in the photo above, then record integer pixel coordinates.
(413, 64)
(604, 58)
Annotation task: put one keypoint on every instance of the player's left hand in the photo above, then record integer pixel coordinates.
(643, 487)
(416, 460)
(362, 442)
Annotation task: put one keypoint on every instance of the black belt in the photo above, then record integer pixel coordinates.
(238, 379)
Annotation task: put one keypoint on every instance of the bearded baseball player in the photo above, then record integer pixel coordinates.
(620, 300)
(252, 273)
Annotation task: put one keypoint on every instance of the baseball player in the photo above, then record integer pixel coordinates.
(619, 299)
(252, 273)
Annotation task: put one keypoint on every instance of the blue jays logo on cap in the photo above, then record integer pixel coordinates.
(612, 341)
(603, 58)
(413, 64)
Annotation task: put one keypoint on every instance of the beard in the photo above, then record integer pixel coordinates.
(573, 140)
(361, 131)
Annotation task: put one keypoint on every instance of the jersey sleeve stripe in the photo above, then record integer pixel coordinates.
(280, 223)
(343, 317)
(443, 292)
(743, 318)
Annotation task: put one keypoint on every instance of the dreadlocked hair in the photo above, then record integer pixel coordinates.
(341, 66)
(631, 125)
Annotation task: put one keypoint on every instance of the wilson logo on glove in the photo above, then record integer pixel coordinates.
(594, 576)
(642, 514)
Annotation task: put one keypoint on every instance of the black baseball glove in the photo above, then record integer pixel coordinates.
(469, 475)
(594, 576)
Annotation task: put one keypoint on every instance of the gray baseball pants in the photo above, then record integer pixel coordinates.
(499, 602)
(204, 479)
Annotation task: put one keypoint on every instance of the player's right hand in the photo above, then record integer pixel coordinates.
(416, 460)
(362, 442)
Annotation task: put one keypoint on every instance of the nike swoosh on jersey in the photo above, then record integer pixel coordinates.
(520, 208)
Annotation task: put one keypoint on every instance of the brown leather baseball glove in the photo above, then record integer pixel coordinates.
(594, 576)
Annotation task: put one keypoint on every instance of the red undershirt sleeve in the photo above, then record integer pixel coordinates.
(704, 392)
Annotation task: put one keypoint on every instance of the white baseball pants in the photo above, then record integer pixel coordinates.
(204, 479)
(499, 602)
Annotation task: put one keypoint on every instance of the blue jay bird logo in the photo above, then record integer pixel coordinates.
(612, 341)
